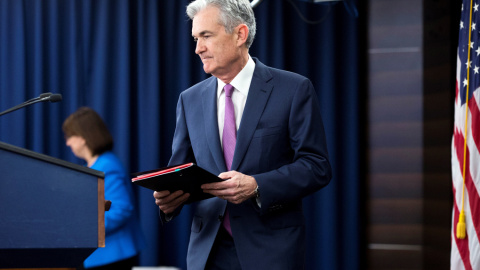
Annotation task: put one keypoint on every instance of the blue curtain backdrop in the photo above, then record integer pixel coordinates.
(129, 60)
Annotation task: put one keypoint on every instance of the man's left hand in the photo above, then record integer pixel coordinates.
(236, 188)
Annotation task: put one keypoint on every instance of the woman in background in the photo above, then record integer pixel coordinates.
(89, 139)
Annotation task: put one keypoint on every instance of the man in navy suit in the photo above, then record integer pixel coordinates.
(278, 155)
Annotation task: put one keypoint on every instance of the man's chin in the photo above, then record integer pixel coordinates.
(207, 69)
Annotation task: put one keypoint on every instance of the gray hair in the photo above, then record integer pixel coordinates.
(232, 13)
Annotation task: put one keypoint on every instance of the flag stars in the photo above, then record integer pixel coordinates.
(475, 69)
(471, 44)
(478, 50)
(475, 8)
(473, 26)
(468, 64)
(465, 82)
(461, 25)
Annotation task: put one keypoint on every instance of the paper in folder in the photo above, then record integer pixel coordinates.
(187, 177)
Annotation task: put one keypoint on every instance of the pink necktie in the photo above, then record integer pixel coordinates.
(229, 140)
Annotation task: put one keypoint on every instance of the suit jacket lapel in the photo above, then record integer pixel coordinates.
(209, 101)
(258, 95)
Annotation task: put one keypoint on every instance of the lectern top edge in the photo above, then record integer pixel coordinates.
(32, 154)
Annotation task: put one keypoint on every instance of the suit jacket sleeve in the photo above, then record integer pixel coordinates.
(181, 151)
(309, 169)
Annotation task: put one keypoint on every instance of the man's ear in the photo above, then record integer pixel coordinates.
(242, 34)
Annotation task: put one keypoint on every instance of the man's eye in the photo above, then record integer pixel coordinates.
(195, 39)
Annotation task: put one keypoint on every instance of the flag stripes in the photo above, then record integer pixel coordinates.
(465, 253)
(462, 250)
(471, 190)
(461, 257)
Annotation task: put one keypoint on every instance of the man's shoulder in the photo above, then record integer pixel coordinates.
(209, 82)
(262, 69)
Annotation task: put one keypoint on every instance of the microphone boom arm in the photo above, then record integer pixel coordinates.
(42, 98)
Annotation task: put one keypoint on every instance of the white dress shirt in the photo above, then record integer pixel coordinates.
(241, 84)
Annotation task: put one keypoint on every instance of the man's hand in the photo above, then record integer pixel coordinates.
(169, 202)
(236, 188)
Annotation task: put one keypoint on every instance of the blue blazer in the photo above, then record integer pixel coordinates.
(280, 142)
(123, 235)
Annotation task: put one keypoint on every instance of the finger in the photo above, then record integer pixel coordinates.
(182, 199)
(227, 175)
(220, 191)
(228, 183)
(160, 194)
(170, 207)
(170, 197)
(215, 186)
(213, 192)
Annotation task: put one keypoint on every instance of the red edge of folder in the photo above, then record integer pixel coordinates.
(169, 170)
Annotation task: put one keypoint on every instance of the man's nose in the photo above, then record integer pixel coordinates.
(200, 47)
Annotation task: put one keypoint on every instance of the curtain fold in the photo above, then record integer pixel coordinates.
(129, 60)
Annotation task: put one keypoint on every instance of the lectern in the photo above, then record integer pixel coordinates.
(51, 211)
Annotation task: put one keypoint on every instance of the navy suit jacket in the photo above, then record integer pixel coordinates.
(280, 142)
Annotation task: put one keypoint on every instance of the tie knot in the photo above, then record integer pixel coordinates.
(228, 90)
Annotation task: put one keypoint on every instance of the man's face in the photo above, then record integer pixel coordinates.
(219, 51)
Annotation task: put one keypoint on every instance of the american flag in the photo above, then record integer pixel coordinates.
(465, 253)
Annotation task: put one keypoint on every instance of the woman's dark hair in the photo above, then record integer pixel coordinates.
(86, 123)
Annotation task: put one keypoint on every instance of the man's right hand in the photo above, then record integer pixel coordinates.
(168, 202)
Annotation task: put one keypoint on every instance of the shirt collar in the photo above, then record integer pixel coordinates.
(242, 81)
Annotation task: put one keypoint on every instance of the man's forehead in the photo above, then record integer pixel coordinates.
(202, 33)
(206, 19)
(200, 28)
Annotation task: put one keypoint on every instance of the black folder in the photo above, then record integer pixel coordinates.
(187, 177)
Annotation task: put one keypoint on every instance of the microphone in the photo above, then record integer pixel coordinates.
(54, 98)
(42, 98)
(45, 95)
(48, 97)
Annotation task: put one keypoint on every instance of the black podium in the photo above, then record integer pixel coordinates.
(51, 211)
